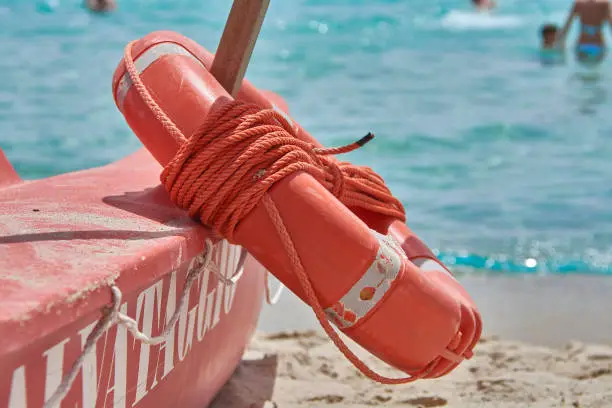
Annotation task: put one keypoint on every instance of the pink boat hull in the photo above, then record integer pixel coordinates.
(64, 241)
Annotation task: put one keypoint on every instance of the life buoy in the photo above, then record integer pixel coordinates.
(417, 322)
(414, 248)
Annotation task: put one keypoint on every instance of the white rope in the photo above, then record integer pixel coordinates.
(279, 291)
(112, 316)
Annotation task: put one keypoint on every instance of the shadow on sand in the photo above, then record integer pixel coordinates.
(251, 385)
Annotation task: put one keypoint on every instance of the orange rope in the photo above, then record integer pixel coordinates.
(362, 186)
(355, 186)
(223, 171)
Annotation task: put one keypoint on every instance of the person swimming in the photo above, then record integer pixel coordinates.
(548, 32)
(484, 5)
(593, 15)
(550, 53)
(100, 6)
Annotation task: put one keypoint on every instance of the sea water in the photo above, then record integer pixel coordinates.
(504, 164)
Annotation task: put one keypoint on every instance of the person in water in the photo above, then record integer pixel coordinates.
(550, 53)
(484, 5)
(100, 6)
(593, 15)
(549, 32)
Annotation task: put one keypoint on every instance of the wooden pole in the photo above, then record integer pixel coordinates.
(237, 43)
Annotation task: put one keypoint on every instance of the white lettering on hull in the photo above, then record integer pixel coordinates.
(145, 307)
(55, 366)
(107, 376)
(18, 397)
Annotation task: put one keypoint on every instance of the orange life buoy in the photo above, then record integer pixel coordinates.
(413, 246)
(362, 278)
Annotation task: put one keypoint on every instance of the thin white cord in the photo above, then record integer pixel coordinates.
(112, 316)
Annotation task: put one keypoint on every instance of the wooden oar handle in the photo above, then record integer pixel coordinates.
(237, 43)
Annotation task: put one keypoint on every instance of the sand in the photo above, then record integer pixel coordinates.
(303, 369)
(547, 343)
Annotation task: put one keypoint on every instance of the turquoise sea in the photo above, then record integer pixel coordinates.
(504, 164)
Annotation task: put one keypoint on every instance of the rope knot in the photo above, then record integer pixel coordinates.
(336, 178)
(223, 170)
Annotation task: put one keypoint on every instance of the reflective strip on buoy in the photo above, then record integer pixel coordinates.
(367, 292)
(283, 114)
(427, 264)
(145, 60)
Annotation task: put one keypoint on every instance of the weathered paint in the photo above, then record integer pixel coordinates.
(63, 240)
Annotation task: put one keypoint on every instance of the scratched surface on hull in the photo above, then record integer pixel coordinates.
(186, 369)
(63, 237)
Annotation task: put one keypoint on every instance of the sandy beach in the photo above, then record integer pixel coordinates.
(565, 362)
(302, 369)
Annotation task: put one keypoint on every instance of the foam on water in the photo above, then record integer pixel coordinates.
(463, 20)
(503, 164)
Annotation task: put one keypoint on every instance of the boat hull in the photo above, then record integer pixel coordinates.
(64, 241)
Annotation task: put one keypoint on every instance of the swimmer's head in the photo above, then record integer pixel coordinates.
(101, 5)
(483, 4)
(549, 35)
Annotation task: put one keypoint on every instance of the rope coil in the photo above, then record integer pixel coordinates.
(355, 186)
(111, 316)
(224, 170)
